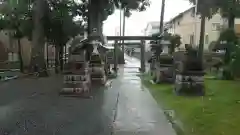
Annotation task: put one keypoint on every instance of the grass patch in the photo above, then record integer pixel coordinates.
(217, 113)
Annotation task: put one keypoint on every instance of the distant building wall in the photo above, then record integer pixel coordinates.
(9, 49)
(184, 25)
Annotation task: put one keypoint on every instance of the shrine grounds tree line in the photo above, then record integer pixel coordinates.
(229, 9)
(55, 22)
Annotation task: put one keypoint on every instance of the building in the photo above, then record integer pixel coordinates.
(9, 49)
(151, 28)
(188, 27)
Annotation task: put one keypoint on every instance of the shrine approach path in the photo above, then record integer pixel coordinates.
(34, 107)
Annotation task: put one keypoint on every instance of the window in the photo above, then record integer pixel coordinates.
(216, 26)
(178, 22)
(206, 39)
(191, 39)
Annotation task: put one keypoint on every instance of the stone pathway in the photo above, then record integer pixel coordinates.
(137, 111)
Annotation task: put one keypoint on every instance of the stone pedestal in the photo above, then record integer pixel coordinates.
(189, 73)
(76, 79)
(189, 83)
(98, 75)
(164, 69)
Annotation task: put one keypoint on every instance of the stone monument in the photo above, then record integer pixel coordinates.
(76, 79)
(189, 73)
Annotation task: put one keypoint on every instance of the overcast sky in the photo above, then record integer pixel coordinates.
(138, 21)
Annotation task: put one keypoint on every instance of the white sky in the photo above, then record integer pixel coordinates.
(138, 20)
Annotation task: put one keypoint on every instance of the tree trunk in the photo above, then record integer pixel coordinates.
(231, 19)
(20, 55)
(94, 18)
(37, 58)
(57, 59)
(171, 49)
(61, 57)
(201, 39)
(227, 72)
(65, 54)
(47, 56)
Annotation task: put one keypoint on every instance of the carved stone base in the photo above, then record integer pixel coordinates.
(164, 75)
(189, 85)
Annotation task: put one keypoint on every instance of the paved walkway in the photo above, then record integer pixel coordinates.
(33, 107)
(137, 111)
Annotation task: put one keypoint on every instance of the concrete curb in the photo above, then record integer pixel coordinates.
(19, 76)
(14, 77)
(9, 78)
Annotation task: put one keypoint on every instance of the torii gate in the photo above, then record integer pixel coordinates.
(141, 45)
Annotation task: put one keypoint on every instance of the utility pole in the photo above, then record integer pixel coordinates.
(162, 16)
(124, 22)
(120, 9)
(89, 15)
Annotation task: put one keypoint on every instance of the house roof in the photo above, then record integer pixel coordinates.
(154, 24)
(181, 14)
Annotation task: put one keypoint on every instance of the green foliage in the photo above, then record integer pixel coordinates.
(17, 17)
(235, 62)
(207, 7)
(175, 41)
(228, 35)
(232, 54)
(110, 5)
(139, 5)
(59, 21)
(227, 8)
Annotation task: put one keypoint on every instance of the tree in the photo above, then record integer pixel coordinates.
(205, 8)
(231, 57)
(60, 25)
(38, 39)
(175, 41)
(235, 61)
(15, 16)
(228, 8)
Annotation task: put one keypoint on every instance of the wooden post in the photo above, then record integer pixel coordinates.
(142, 56)
(115, 56)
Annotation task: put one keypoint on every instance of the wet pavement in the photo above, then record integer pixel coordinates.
(34, 107)
(137, 111)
